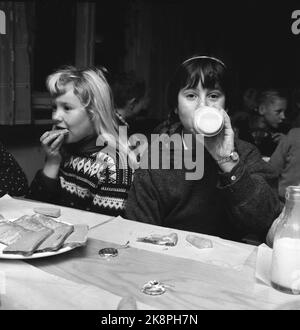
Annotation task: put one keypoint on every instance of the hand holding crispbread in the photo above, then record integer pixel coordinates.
(52, 141)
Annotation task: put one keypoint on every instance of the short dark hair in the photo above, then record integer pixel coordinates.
(211, 71)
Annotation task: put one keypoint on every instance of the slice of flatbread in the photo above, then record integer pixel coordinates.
(61, 232)
(78, 237)
(28, 242)
(38, 222)
(10, 232)
(29, 222)
(56, 240)
(47, 221)
(53, 212)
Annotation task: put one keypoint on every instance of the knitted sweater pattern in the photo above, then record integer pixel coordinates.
(93, 183)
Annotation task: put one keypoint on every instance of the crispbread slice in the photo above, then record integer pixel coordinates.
(28, 241)
(30, 223)
(78, 237)
(56, 240)
(10, 232)
(53, 212)
(38, 222)
(47, 221)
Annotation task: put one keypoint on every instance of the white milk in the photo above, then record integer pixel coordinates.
(285, 270)
(208, 121)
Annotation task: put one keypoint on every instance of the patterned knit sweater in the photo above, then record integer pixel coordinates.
(13, 180)
(92, 182)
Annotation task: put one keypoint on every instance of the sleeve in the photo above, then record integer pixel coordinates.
(278, 158)
(250, 193)
(143, 202)
(44, 189)
(13, 180)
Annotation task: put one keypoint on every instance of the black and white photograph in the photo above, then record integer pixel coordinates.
(149, 158)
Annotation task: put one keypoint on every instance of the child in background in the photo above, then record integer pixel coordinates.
(78, 172)
(286, 161)
(129, 94)
(266, 126)
(131, 101)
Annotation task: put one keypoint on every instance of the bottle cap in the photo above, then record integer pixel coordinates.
(153, 288)
(108, 252)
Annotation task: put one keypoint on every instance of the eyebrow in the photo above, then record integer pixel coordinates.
(188, 89)
(215, 89)
(63, 103)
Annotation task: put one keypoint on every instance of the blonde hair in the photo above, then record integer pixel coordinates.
(95, 95)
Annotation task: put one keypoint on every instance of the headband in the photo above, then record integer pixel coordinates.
(208, 57)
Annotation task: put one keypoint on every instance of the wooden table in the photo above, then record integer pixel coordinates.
(221, 278)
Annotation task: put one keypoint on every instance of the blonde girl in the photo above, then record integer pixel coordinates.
(83, 167)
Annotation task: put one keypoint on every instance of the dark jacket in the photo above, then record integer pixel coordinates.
(229, 205)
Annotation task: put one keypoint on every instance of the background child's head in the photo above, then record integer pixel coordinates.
(129, 91)
(91, 88)
(209, 71)
(272, 105)
(126, 87)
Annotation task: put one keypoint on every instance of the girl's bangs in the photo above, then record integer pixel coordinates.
(60, 88)
(209, 76)
(57, 85)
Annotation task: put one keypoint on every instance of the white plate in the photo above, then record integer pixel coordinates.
(34, 255)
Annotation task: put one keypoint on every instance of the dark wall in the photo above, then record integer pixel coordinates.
(254, 37)
(53, 30)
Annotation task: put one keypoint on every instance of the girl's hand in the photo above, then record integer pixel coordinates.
(51, 142)
(221, 145)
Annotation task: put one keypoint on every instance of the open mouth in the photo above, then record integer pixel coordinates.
(63, 130)
(57, 131)
(58, 127)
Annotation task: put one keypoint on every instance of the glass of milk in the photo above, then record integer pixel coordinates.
(285, 270)
(208, 121)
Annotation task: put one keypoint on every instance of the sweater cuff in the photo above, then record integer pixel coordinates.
(234, 184)
(227, 179)
(49, 183)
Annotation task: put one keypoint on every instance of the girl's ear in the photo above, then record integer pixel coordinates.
(91, 113)
(176, 111)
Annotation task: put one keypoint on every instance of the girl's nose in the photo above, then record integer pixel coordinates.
(57, 115)
(202, 102)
